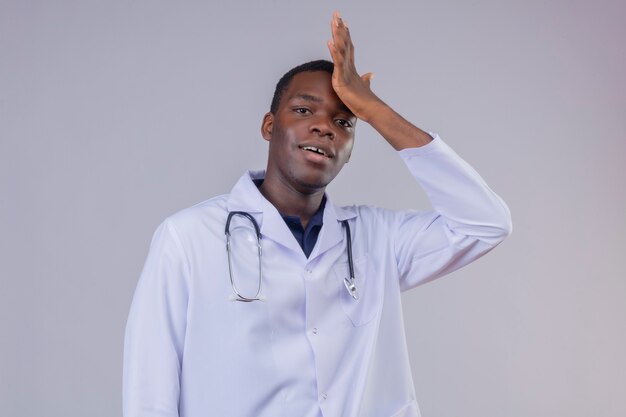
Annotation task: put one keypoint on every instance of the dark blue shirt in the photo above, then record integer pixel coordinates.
(306, 237)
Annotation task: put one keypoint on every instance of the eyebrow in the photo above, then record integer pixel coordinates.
(315, 99)
(307, 97)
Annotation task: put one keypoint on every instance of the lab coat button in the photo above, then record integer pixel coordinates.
(314, 330)
(324, 396)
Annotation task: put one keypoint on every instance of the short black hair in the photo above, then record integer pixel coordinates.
(283, 83)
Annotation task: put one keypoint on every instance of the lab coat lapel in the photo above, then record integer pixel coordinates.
(332, 232)
(245, 196)
(275, 228)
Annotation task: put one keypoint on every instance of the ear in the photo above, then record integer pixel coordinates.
(266, 126)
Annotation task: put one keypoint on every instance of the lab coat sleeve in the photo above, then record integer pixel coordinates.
(155, 330)
(468, 220)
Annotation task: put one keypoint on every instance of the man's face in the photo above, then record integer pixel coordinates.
(311, 135)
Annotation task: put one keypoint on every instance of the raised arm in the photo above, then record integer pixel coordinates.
(355, 92)
(468, 220)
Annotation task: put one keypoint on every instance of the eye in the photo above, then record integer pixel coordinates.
(344, 123)
(301, 110)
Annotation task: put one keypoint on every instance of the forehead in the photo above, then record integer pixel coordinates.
(317, 84)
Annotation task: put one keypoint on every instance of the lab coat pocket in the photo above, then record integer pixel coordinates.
(368, 286)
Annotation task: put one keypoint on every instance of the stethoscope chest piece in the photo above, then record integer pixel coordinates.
(349, 282)
(351, 287)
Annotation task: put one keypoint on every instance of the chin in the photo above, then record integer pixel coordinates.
(313, 183)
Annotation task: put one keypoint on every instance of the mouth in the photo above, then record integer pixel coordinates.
(316, 150)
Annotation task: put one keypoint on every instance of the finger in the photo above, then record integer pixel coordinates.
(334, 25)
(337, 57)
(337, 47)
(341, 36)
(339, 29)
(332, 50)
(345, 34)
(336, 18)
(351, 48)
(341, 47)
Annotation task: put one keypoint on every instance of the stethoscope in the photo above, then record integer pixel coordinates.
(349, 282)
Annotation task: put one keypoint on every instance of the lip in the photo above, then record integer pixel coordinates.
(329, 152)
(315, 158)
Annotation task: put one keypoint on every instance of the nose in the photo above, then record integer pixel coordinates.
(322, 126)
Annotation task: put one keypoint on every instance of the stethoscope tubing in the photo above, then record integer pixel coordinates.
(257, 230)
(349, 282)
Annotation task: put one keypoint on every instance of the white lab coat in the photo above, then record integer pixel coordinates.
(309, 349)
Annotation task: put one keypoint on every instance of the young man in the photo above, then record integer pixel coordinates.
(311, 325)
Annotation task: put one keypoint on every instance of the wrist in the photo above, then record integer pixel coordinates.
(399, 132)
(374, 111)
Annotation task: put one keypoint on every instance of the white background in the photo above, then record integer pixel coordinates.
(115, 114)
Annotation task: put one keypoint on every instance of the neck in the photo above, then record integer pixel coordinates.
(290, 201)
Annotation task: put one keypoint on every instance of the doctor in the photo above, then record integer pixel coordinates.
(325, 335)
